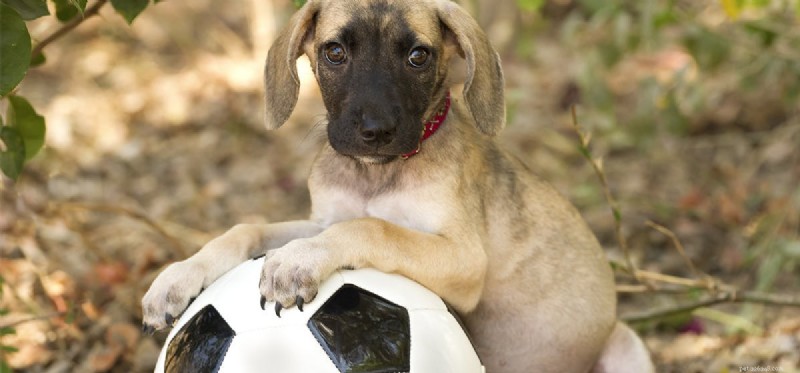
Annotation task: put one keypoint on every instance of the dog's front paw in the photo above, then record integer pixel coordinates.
(170, 294)
(291, 275)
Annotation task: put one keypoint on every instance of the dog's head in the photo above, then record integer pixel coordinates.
(382, 67)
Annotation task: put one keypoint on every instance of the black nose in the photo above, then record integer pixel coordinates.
(377, 132)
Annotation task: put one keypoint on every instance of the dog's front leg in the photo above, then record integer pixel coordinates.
(453, 270)
(172, 290)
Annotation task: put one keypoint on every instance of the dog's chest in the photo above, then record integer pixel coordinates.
(404, 208)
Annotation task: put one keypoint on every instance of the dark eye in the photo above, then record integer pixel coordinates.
(335, 54)
(418, 56)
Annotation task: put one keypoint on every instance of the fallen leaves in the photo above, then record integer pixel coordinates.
(120, 340)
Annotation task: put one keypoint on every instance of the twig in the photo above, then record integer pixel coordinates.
(135, 215)
(34, 318)
(67, 27)
(668, 289)
(675, 280)
(678, 246)
(722, 297)
(615, 211)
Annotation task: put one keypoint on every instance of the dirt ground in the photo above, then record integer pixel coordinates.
(156, 144)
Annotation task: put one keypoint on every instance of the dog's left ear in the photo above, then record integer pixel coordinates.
(483, 88)
(280, 72)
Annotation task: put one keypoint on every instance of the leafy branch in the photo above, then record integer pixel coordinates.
(67, 27)
(22, 132)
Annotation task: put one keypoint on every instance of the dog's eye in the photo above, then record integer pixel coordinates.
(418, 56)
(334, 53)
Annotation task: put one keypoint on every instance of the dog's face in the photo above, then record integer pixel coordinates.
(382, 69)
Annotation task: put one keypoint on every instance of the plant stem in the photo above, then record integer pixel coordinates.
(612, 203)
(722, 297)
(67, 27)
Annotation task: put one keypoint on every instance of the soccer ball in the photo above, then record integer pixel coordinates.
(361, 321)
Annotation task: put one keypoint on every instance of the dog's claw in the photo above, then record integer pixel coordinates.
(299, 301)
(147, 329)
(278, 308)
(263, 302)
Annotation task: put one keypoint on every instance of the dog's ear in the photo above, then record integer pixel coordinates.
(280, 73)
(483, 88)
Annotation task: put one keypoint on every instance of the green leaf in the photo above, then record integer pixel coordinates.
(38, 60)
(28, 9)
(530, 5)
(299, 3)
(763, 31)
(585, 152)
(4, 368)
(768, 270)
(7, 330)
(68, 9)
(8, 349)
(12, 152)
(69, 318)
(15, 49)
(617, 214)
(708, 48)
(30, 125)
(760, 3)
(129, 9)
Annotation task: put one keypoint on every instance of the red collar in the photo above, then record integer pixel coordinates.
(432, 125)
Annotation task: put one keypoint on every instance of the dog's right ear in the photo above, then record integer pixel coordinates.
(280, 73)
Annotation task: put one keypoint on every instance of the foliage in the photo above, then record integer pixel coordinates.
(23, 130)
(755, 39)
(652, 70)
(530, 5)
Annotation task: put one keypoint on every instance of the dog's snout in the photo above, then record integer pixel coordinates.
(377, 132)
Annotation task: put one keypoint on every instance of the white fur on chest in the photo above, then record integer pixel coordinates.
(410, 209)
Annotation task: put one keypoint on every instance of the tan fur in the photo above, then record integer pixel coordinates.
(463, 218)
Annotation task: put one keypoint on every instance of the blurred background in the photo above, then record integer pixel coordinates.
(155, 144)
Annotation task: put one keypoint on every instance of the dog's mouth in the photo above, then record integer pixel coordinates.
(367, 154)
(375, 159)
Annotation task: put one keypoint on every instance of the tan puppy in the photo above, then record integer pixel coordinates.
(461, 217)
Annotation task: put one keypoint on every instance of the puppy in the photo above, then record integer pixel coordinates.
(412, 181)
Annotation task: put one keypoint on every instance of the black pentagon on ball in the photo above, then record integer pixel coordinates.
(201, 344)
(362, 332)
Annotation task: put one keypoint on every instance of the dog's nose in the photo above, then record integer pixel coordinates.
(377, 132)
